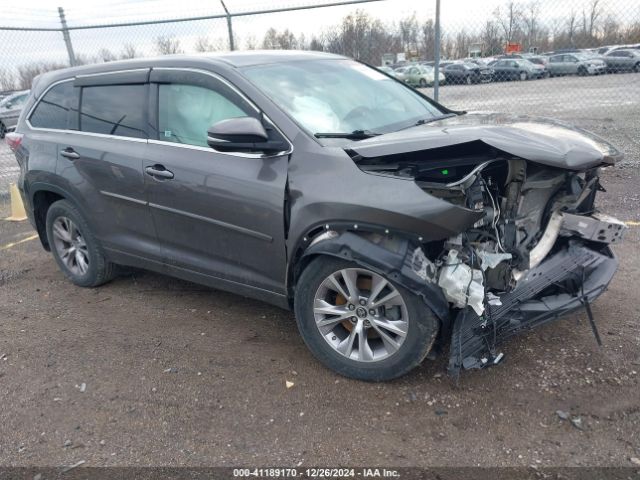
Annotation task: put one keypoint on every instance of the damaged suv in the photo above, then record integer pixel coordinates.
(391, 224)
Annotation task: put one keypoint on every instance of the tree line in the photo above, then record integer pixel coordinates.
(364, 37)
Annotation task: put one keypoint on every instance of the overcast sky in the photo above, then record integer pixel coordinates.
(22, 47)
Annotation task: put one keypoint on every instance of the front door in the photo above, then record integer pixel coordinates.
(216, 214)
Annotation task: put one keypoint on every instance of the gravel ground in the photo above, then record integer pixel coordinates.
(149, 370)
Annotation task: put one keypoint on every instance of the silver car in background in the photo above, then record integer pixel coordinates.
(575, 64)
(10, 108)
(623, 60)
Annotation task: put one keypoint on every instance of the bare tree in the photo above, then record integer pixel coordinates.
(106, 55)
(530, 21)
(128, 51)
(509, 19)
(26, 73)
(572, 25)
(7, 80)
(250, 43)
(590, 19)
(427, 39)
(203, 44)
(168, 45)
(491, 39)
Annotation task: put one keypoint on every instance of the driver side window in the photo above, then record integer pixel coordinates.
(185, 112)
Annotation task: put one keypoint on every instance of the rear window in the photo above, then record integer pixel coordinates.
(114, 110)
(53, 110)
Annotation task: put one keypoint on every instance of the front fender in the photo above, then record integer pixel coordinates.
(394, 264)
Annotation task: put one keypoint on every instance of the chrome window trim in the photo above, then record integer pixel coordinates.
(89, 134)
(99, 74)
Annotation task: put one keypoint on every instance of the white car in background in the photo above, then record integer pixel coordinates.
(419, 75)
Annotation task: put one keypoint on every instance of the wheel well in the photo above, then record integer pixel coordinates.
(42, 200)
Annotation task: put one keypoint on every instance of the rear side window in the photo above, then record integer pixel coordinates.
(54, 109)
(185, 112)
(114, 110)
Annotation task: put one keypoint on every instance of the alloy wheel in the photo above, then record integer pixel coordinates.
(361, 315)
(70, 245)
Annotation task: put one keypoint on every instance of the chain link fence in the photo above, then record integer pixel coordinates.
(567, 50)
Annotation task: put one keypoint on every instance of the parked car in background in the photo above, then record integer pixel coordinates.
(467, 73)
(623, 60)
(388, 70)
(400, 72)
(575, 64)
(10, 108)
(515, 69)
(422, 76)
(539, 60)
(321, 185)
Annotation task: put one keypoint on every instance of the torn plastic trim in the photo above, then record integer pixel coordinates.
(397, 265)
(475, 337)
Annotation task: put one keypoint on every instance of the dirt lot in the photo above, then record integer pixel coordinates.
(178, 374)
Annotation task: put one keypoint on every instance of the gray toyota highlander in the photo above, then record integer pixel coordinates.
(392, 225)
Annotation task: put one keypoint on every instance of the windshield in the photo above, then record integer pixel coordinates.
(338, 96)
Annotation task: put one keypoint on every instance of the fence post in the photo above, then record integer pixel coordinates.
(436, 67)
(229, 26)
(67, 38)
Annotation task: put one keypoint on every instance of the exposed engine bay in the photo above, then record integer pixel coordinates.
(526, 260)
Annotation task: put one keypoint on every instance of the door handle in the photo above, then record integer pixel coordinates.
(159, 171)
(70, 153)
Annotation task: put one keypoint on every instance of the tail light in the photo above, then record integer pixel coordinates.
(14, 140)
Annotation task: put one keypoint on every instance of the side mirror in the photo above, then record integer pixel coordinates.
(242, 134)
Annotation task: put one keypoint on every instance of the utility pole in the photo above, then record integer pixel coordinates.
(229, 26)
(436, 67)
(67, 38)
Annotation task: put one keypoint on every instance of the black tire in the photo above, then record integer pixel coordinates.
(422, 329)
(582, 71)
(3, 130)
(469, 80)
(99, 270)
(523, 76)
(423, 83)
(636, 67)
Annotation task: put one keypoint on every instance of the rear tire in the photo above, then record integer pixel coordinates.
(423, 83)
(375, 359)
(636, 67)
(3, 130)
(523, 76)
(75, 248)
(469, 80)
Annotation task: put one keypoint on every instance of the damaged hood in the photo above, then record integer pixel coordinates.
(541, 140)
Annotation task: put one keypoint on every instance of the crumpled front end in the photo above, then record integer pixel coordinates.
(539, 250)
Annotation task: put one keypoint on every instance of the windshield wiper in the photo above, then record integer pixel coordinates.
(424, 121)
(355, 135)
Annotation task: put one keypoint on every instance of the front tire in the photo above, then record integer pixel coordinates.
(423, 83)
(74, 247)
(3, 130)
(523, 76)
(360, 324)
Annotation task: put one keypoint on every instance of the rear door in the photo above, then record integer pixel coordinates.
(101, 159)
(217, 214)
